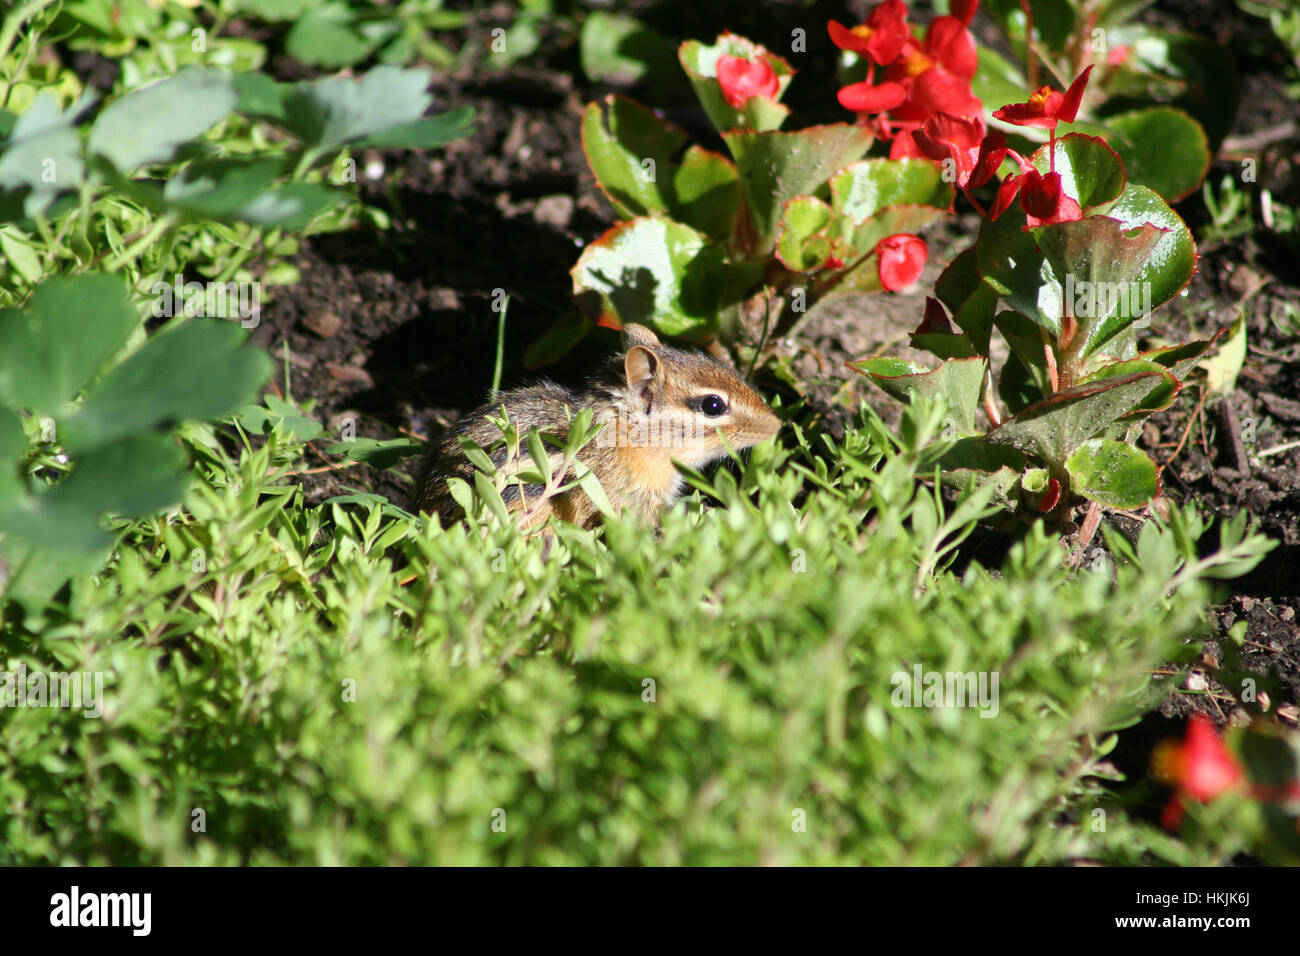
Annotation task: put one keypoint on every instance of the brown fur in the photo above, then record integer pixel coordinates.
(654, 401)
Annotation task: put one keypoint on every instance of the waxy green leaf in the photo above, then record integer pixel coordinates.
(959, 381)
(1113, 473)
(654, 271)
(776, 167)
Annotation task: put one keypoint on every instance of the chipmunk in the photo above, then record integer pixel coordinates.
(657, 404)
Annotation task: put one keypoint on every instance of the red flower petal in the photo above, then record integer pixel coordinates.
(1209, 768)
(1069, 107)
(899, 260)
(865, 98)
(950, 44)
(992, 151)
(1006, 195)
(846, 39)
(964, 10)
(742, 79)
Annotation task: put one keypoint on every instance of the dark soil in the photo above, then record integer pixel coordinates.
(511, 207)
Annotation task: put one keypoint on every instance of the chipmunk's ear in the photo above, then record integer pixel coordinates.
(637, 334)
(645, 374)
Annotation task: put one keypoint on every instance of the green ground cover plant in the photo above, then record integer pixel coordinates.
(834, 651)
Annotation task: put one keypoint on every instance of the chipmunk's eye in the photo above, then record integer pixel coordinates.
(712, 405)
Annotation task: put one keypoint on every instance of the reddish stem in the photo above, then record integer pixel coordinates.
(1031, 62)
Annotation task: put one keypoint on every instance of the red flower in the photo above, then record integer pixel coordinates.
(742, 79)
(1047, 107)
(1118, 56)
(881, 38)
(1044, 200)
(974, 156)
(936, 75)
(899, 260)
(1200, 768)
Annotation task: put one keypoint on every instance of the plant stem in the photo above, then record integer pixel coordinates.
(9, 31)
(133, 251)
(501, 345)
(1031, 61)
(1049, 355)
(990, 405)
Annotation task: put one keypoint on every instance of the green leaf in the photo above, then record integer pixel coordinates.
(631, 153)
(1113, 473)
(42, 157)
(1098, 260)
(801, 243)
(260, 95)
(863, 189)
(198, 370)
(958, 381)
(149, 123)
(50, 349)
(291, 206)
(326, 36)
(1159, 398)
(1163, 148)
(621, 51)
(653, 271)
(218, 188)
(1181, 359)
(425, 133)
(776, 167)
(1221, 371)
(1053, 428)
(337, 110)
(1100, 248)
(1091, 172)
(133, 476)
(20, 252)
(971, 302)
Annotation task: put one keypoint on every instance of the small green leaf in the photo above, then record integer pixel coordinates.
(326, 36)
(1221, 370)
(1113, 473)
(1091, 172)
(621, 51)
(427, 133)
(863, 189)
(801, 242)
